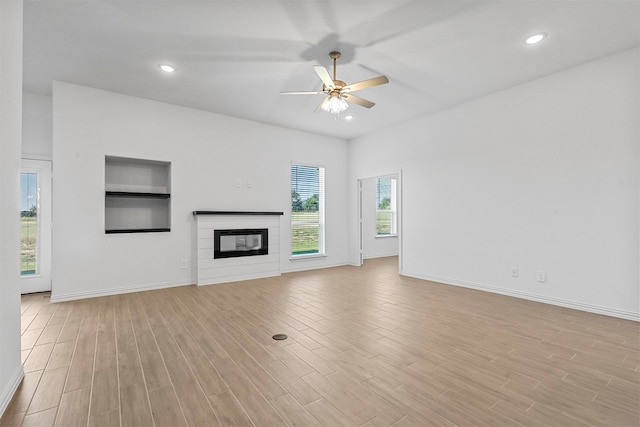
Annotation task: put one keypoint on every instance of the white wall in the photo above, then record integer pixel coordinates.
(542, 176)
(11, 372)
(208, 153)
(37, 126)
(372, 246)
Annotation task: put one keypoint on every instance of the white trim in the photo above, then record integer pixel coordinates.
(11, 388)
(360, 221)
(399, 217)
(115, 291)
(382, 255)
(313, 165)
(319, 267)
(322, 243)
(41, 280)
(393, 210)
(307, 256)
(239, 278)
(28, 156)
(623, 314)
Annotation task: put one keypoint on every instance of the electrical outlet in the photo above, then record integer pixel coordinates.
(515, 273)
(183, 263)
(541, 276)
(238, 183)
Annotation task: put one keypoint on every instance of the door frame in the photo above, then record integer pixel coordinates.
(41, 281)
(399, 207)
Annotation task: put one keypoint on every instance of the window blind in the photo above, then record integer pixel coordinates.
(386, 217)
(307, 210)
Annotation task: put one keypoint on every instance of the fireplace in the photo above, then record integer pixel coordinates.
(210, 225)
(240, 242)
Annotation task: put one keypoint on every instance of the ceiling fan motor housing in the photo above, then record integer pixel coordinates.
(337, 86)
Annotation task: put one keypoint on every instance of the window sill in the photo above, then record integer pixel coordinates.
(307, 256)
(385, 236)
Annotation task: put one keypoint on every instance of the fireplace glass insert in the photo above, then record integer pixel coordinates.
(240, 242)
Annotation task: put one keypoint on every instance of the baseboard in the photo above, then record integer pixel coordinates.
(238, 278)
(56, 297)
(10, 389)
(380, 255)
(576, 305)
(308, 267)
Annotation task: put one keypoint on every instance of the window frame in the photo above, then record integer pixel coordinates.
(320, 224)
(393, 210)
(35, 272)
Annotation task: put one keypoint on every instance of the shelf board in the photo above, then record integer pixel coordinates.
(137, 230)
(196, 213)
(139, 195)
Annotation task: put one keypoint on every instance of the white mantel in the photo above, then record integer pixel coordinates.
(211, 271)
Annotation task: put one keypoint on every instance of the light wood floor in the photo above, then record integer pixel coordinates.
(366, 347)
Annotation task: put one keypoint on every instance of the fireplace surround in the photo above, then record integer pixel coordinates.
(243, 245)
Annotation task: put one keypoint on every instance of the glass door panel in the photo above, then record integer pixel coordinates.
(35, 226)
(29, 223)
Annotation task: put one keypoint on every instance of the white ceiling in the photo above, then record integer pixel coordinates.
(234, 57)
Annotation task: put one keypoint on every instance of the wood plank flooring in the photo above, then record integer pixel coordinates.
(366, 347)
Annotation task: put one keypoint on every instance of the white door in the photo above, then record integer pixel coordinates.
(35, 226)
(360, 222)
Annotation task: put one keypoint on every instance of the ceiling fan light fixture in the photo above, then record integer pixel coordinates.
(535, 39)
(334, 104)
(167, 68)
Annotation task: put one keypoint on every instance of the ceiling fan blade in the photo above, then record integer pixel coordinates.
(300, 93)
(324, 75)
(376, 81)
(357, 100)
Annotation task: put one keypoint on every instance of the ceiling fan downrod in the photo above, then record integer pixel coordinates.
(334, 55)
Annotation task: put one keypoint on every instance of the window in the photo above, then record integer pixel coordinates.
(307, 210)
(28, 223)
(386, 213)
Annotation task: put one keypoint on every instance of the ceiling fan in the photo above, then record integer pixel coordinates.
(339, 92)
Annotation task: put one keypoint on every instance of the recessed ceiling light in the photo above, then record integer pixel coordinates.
(167, 68)
(348, 118)
(536, 38)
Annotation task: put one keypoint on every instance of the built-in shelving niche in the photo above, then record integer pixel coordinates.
(137, 195)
